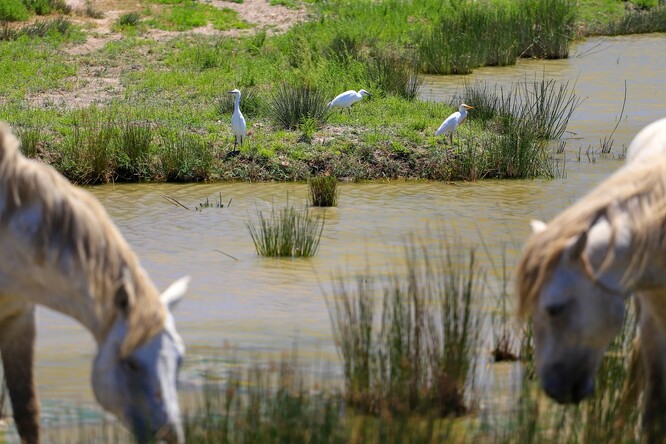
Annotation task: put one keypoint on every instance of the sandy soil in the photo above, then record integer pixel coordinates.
(99, 84)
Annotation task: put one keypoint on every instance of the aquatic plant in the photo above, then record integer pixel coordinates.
(636, 22)
(323, 191)
(541, 106)
(417, 353)
(287, 232)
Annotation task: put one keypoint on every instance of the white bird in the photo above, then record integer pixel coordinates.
(453, 121)
(348, 98)
(238, 121)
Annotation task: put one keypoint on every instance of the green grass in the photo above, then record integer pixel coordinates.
(182, 83)
(182, 15)
(287, 232)
(416, 353)
(323, 191)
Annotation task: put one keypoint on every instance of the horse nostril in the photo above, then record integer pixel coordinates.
(556, 309)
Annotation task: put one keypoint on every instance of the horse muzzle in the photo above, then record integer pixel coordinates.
(565, 385)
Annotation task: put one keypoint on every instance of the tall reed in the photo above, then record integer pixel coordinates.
(87, 155)
(394, 73)
(636, 22)
(417, 353)
(133, 147)
(323, 191)
(290, 105)
(31, 137)
(542, 106)
(286, 233)
(184, 157)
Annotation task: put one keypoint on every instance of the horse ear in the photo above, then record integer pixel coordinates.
(175, 292)
(537, 226)
(124, 297)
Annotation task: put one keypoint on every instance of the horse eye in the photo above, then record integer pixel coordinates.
(556, 309)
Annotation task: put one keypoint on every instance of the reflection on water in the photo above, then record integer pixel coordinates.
(265, 305)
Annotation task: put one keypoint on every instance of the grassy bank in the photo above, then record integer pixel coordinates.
(98, 116)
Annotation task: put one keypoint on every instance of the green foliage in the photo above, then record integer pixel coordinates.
(87, 155)
(58, 26)
(13, 10)
(184, 157)
(323, 191)
(394, 73)
(30, 137)
(129, 19)
(251, 104)
(287, 233)
(134, 145)
(182, 15)
(636, 22)
(290, 105)
(420, 356)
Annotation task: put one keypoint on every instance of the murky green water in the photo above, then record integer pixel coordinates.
(264, 306)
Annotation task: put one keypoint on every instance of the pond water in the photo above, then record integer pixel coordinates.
(265, 306)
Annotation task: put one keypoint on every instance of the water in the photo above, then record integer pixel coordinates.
(264, 306)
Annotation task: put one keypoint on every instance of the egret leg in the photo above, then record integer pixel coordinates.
(451, 137)
(17, 347)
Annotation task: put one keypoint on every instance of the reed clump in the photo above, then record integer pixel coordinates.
(134, 145)
(323, 191)
(287, 232)
(636, 22)
(417, 352)
(87, 154)
(184, 157)
(252, 103)
(471, 35)
(289, 105)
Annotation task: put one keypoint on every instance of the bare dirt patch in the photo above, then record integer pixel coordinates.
(99, 84)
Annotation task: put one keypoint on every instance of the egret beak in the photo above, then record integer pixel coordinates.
(469, 107)
(230, 92)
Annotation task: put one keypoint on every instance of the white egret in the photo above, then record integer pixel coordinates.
(453, 121)
(238, 121)
(348, 98)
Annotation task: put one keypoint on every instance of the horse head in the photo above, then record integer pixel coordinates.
(578, 312)
(140, 389)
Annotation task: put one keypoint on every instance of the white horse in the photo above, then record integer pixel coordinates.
(577, 272)
(60, 249)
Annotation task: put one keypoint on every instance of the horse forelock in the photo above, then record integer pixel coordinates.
(76, 232)
(634, 195)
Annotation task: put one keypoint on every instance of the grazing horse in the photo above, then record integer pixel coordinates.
(577, 272)
(60, 249)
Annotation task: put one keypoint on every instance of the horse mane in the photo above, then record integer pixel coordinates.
(635, 194)
(77, 235)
